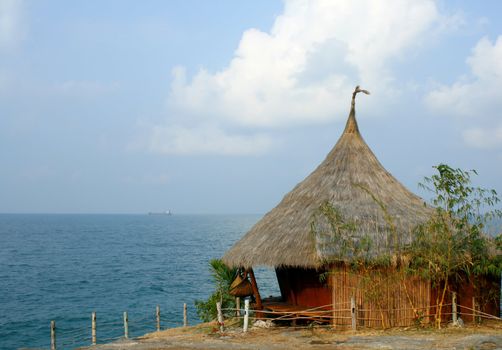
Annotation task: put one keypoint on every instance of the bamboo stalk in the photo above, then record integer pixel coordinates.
(454, 308)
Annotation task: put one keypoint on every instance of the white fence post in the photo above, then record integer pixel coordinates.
(53, 335)
(157, 316)
(246, 315)
(126, 325)
(93, 328)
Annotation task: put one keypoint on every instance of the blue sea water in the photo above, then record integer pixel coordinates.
(63, 267)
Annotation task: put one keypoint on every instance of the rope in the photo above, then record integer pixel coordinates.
(73, 341)
(480, 313)
(316, 313)
(83, 335)
(70, 337)
(306, 311)
(402, 309)
(74, 331)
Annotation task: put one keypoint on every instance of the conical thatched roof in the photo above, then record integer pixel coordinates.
(350, 179)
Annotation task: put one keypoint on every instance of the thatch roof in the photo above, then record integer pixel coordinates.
(350, 179)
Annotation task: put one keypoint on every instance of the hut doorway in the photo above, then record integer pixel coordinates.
(303, 286)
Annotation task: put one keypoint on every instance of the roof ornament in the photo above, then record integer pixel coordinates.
(356, 91)
(351, 126)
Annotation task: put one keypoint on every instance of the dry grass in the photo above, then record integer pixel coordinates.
(350, 179)
(206, 335)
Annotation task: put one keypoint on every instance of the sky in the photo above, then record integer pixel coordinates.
(220, 107)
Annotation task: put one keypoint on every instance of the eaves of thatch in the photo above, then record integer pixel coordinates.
(350, 179)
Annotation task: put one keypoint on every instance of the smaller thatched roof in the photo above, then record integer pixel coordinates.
(350, 179)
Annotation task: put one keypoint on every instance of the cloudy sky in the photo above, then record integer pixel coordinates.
(223, 106)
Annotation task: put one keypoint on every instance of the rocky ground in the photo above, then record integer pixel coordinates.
(207, 336)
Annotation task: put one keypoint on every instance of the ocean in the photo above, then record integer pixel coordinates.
(64, 267)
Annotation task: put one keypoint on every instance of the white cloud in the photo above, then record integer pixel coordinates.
(477, 98)
(180, 140)
(471, 97)
(304, 69)
(484, 138)
(10, 23)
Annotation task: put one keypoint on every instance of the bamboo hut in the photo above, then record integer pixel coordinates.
(352, 180)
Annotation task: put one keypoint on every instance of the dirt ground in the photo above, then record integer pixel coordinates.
(207, 336)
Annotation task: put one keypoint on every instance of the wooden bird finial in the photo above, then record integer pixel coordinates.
(356, 91)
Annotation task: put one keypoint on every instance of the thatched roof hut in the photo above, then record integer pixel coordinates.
(351, 179)
(299, 239)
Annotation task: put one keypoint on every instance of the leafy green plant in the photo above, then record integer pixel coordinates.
(336, 237)
(451, 245)
(448, 248)
(222, 276)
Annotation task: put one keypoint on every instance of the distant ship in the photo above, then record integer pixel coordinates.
(167, 212)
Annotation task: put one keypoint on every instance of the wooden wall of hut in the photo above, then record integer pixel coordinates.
(486, 297)
(382, 300)
(300, 286)
(489, 300)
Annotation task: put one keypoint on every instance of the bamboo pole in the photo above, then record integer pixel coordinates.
(256, 292)
(126, 325)
(475, 316)
(93, 328)
(53, 335)
(220, 316)
(157, 316)
(454, 316)
(246, 315)
(353, 312)
(185, 317)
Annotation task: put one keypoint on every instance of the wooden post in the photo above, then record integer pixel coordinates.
(246, 315)
(454, 316)
(256, 292)
(126, 325)
(53, 335)
(237, 306)
(157, 316)
(473, 309)
(475, 317)
(353, 312)
(185, 318)
(93, 328)
(220, 316)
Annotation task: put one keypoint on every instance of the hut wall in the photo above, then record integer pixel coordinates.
(380, 301)
(465, 293)
(487, 297)
(303, 287)
(491, 302)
